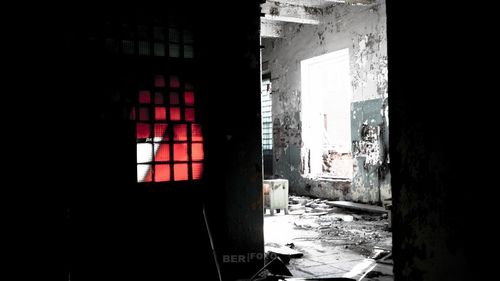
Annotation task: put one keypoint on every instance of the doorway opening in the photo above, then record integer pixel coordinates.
(327, 201)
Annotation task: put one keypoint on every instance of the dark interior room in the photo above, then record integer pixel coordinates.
(165, 151)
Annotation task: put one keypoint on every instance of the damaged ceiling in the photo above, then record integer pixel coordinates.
(275, 13)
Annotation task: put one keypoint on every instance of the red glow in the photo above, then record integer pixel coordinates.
(149, 175)
(189, 114)
(160, 113)
(180, 132)
(180, 152)
(189, 98)
(163, 152)
(144, 97)
(175, 114)
(144, 114)
(143, 130)
(181, 172)
(174, 82)
(158, 98)
(197, 170)
(196, 134)
(160, 130)
(174, 98)
(197, 151)
(133, 114)
(162, 172)
(157, 160)
(159, 81)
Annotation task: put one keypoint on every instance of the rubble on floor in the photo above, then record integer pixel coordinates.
(361, 231)
(335, 242)
(286, 250)
(303, 204)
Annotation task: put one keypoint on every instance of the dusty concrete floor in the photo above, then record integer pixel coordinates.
(337, 244)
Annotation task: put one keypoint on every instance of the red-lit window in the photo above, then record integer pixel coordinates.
(144, 97)
(169, 141)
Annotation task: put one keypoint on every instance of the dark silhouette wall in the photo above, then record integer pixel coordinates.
(436, 165)
(123, 230)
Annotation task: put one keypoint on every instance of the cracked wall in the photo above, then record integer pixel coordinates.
(362, 29)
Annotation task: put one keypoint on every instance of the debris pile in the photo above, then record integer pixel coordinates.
(359, 231)
(309, 206)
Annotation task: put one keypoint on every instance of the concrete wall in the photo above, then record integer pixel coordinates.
(362, 29)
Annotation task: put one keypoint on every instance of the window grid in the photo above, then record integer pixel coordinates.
(149, 40)
(169, 142)
(267, 122)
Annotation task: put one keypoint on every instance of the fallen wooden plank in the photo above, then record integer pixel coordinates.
(315, 214)
(359, 207)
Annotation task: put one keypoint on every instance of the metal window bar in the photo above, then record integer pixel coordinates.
(266, 113)
(190, 163)
(150, 39)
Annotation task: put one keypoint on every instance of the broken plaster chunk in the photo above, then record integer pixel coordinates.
(306, 225)
(322, 205)
(321, 210)
(286, 251)
(346, 218)
(301, 201)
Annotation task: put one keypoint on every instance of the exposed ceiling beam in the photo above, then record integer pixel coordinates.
(291, 19)
(306, 3)
(270, 29)
(291, 13)
(297, 11)
(357, 2)
(322, 3)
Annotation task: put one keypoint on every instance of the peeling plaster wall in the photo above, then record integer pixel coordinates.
(362, 29)
(370, 139)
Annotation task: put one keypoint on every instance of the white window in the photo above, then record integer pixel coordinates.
(326, 118)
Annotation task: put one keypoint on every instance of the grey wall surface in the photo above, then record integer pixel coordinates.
(361, 29)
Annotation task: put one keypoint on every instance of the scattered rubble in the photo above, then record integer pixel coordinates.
(317, 205)
(283, 251)
(353, 229)
(306, 224)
